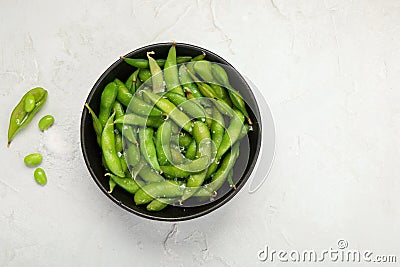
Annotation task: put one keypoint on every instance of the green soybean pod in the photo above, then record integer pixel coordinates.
(148, 148)
(190, 107)
(184, 139)
(98, 128)
(111, 185)
(131, 81)
(144, 63)
(45, 122)
(142, 108)
(157, 74)
(30, 103)
(191, 150)
(217, 127)
(231, 135)
(221, 76)
(128, 184)
(221, 175)
(124, 96)
(162, 142)
(187, 82)
(171, 72)
(108, 147)
(160, 203)
(40, 176)
(155, 190)
(107, 99)
(33, 160)
(144, 74)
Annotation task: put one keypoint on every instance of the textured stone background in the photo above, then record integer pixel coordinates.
(329, 70)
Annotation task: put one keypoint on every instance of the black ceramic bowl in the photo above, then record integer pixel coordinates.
(249, 150)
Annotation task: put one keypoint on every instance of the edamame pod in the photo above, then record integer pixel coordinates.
(231, 135)
(133, 119)
(191, 150)
(160, 203)
(188, 106)
(148, 148)
(163, 140)
(127, 184)
(221, 76)
(124, 96)
(107, 100)
(149, 175)
(132, 155)
(142, 108)
(155, 190)
(108, 147)
(157, 74)
(19, 117)
(171, 110)
(144, 74)
(98, 128)
(171, 72)
(119, 113)
(131, 81)
(144, 63)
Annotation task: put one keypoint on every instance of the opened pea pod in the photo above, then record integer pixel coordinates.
(25, 110)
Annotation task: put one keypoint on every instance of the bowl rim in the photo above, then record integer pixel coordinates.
(216, 205)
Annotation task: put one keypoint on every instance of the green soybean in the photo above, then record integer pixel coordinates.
(133, 119)
(149, 175)
(131, 81)
(127, 184)
(144, 63)
(40, 176)
(155, 190)
(124, 96)
(160, 203)
(171, 110)
(98, 128)
(29, 103)
(45, 122)
(144, 74)
(33, 160)
(171, 72)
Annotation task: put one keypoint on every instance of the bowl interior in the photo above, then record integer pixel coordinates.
(249, 149)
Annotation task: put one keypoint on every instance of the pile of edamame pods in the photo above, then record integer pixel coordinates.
(172, 130)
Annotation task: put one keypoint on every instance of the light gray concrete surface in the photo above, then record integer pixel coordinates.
(329, 70)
